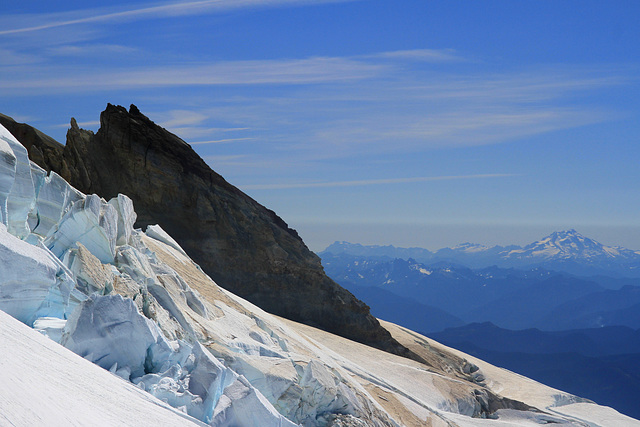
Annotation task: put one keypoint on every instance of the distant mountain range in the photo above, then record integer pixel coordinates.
(437, 297)
(567, 308)
(566, 251)
(543, 291)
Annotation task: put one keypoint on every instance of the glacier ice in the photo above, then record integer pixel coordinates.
(32, 283)
(126, 218)
(54, 199)
(108, 329)
(91, 222)
(21, 197)
(51, 327)
(7, 173)
(156, 232)
(73, 268)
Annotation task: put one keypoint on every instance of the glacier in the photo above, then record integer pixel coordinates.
(132, 302)
(73, 267)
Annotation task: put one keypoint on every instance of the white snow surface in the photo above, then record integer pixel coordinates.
(45, 384)
(156, 327)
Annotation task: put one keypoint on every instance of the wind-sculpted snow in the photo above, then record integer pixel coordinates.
(73, 268)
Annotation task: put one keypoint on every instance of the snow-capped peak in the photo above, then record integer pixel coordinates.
(469, 247)
(567, 244)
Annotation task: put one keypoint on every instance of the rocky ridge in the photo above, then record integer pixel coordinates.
(242, 245)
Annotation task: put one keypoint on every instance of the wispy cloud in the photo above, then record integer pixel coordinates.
(358, 183)
(158, 10)
(522, 87)
(197, 132)
(10, 57)
(468, 126)
(285, 71)
(220, 141)
(177, 118)
(84, 50)
(398, 114)
(308, 108)
(424, 55)
(216, 159)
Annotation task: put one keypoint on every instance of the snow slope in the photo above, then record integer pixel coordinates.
(43, 383)
(514, 386)
(135, 304)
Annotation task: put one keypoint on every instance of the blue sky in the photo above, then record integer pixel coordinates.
(413, 123)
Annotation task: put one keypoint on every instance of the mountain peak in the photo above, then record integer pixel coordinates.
(566, 245)
(566, 233)
(470, 247)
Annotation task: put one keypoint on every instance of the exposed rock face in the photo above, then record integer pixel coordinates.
(43, 150)
(242, 245)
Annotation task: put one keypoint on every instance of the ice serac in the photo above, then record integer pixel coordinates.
(229, 399)
(20, 198)
(7, 173)
(54, 199)
(32, 283)
(109, 330)
(42, 149)
(91, 222)
(241, 244)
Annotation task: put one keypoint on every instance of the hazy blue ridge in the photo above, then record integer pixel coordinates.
(510, 298)
(600, 364)
(404, 311)
(593, 342)
(564, 251)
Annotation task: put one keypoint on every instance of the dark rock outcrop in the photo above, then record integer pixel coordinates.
(242, 245)
(44, 150)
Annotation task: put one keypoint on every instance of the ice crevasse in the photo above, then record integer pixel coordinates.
(73, 267)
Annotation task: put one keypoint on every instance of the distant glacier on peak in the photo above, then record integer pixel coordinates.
(567, 251)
